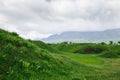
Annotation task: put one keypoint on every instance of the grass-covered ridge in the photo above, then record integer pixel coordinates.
(22, 59)
(104, 50)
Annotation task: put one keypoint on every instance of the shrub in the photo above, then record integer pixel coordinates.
(14, 34)
(111, 42)
(65, 42)
(103, 43)
(91, 49)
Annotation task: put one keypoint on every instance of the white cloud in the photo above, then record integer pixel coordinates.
(39, 18)
(34, 35)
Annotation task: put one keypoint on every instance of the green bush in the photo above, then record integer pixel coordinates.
(14, 34)
(87, 49)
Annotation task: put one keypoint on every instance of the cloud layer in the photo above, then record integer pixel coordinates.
(40, 18)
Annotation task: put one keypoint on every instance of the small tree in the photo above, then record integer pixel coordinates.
(65, 42)
(111, 42)
(103, 43)
(70, 42)
(118, 42)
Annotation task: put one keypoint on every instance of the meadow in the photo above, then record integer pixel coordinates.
(22, 59)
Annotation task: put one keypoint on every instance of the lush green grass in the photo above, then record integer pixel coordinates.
(22, 59)
(104, 68)
(89, 59)
(80, 47)
(67, 47)
(45, 46)
(106, 65)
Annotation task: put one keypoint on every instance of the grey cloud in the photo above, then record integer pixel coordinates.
(56, 16)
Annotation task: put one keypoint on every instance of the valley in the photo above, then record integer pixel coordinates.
(22, 59)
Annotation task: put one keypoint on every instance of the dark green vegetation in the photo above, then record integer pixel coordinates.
(34, 60)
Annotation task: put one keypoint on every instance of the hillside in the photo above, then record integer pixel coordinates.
(22, 59)
(88, 36)
(45, 46)
(89, 48)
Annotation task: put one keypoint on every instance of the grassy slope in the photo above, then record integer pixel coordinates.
(109, 67)
(22, 60)
(45, 46)
(82, 58)
(73, 47)
(67, 47)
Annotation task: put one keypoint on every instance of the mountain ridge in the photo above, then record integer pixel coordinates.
(85, 36)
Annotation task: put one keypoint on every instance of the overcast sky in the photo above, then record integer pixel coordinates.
(37, 19)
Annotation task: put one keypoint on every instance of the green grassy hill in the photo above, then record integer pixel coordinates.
(45, 46)
(69, 47)
(105, 57)
(22, 59)
(105, 50)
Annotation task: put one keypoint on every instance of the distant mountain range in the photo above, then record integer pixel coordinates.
(87, 36)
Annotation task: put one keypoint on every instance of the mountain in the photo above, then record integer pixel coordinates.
(87, 36)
